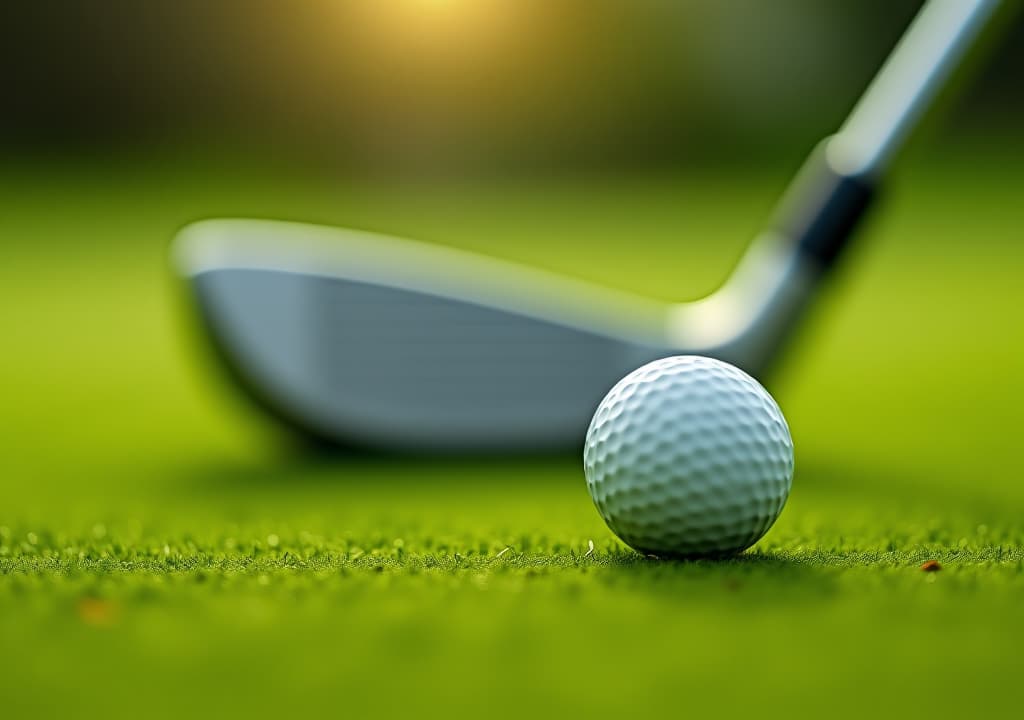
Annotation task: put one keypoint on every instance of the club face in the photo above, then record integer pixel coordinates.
(365, 363)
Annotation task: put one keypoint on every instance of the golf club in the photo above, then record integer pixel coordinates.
(370, 340)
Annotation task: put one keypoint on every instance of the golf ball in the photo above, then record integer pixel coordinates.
(689, 456)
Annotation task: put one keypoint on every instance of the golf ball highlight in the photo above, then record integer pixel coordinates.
(689, 456)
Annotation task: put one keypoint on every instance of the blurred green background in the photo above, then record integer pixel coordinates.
(432, 87)
(164, 549)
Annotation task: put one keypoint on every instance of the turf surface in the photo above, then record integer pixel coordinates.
(164, 551)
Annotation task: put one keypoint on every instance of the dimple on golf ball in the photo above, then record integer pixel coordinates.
(689, 456)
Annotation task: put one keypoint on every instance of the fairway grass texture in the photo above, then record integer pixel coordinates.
(165, 551)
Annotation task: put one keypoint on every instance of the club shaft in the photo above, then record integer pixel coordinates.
(834, 189)
(908, 83)
(749, 320)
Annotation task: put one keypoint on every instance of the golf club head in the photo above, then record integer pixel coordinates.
(370, 340)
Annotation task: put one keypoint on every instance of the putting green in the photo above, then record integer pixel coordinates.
(163, 550)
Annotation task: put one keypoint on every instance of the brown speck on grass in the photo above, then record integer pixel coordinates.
(96, 612)
(931, 566)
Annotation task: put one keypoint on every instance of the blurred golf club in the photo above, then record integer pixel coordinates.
(370, 340)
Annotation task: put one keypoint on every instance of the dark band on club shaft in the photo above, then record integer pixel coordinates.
(822, 209)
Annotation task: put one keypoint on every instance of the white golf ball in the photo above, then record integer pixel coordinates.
(689, 456)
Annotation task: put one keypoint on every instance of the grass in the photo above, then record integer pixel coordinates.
(165, 551)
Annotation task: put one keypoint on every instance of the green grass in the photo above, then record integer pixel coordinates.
(164, 551)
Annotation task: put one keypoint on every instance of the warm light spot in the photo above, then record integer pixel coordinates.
(444, 26)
